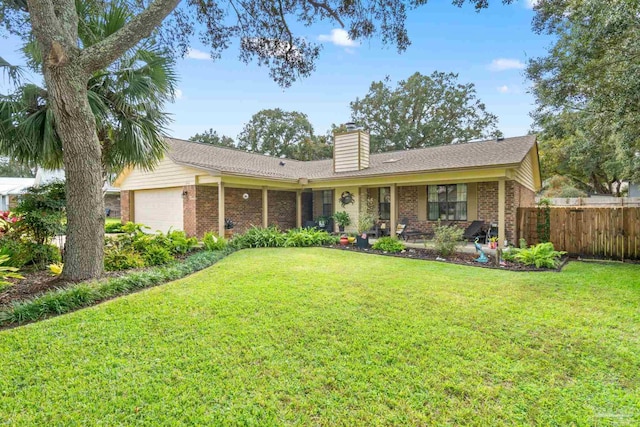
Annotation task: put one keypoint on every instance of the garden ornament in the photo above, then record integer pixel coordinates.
(346, 198)
(483, 257)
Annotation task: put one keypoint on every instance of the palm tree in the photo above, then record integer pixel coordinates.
(127, 100)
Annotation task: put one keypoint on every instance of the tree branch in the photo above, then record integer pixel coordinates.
(101, 54)
(324, 6)
(43, 21)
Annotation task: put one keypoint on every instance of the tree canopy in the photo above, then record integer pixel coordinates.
(423, 111)
(211, 137)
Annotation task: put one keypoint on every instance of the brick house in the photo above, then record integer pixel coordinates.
(197, 186)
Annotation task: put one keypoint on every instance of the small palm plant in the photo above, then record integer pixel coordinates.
(7, 272)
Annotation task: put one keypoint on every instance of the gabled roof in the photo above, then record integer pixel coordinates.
(219, 160)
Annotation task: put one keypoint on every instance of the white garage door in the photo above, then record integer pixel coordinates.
(159, 209)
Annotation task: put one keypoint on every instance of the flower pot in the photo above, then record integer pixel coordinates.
(362, 241)
(344, 241)
(341, 228)
(351, 239)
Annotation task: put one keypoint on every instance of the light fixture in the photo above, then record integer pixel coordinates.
(185, 193)
(245, 196)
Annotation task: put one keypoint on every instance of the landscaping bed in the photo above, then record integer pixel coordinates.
(461, 258)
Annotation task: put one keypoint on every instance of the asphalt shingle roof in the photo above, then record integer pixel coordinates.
(508, 151)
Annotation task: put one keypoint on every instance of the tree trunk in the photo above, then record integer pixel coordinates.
(75, 124)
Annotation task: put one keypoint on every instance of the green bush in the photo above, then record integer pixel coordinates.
(302, 237)
(84, 294)
(388, 244)
(179, 243)
(213, 242)
(542, 255)
(122, 259)
(257, 237)
(23, 253)
(113, 227)
(7, 272)
(156, 255)
(42, 212)
(447, 238)
(509, 254)
(42, 255)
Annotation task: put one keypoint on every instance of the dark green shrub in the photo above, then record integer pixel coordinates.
(156, 255)
(16, 250)
(213, 242)
(301, 237)
(542, 255)
(388, 244)
(23, 253)
(42, 212)
(179, 243)
(122, 259)
(113, 227)
(447, 238)
(43, 255)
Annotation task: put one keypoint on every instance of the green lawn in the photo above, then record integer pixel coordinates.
(109, 220)
(326, 337)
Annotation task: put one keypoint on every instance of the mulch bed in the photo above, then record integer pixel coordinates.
(461, 258)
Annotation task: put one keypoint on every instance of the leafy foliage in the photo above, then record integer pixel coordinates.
(388, 244)
(258, 237)
(42, 212)
(116, 259)
(113, 227)
(7, 272)
(213, 242)
(211, 137)
(56, 269)
(543, 220)
(367, 215)
(447, 238)
(542, 255)
(156, 255)
(423, 111)
(342, 218)
(303, 237)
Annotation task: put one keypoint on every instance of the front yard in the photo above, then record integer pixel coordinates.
(327, 337)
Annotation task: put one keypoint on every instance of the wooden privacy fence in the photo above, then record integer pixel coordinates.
(611, 232)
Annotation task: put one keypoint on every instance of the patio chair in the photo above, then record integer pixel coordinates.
(401, 229)
(475, 229)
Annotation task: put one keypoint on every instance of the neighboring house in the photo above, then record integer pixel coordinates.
(10, 189)
(196, 186)
(634, 189)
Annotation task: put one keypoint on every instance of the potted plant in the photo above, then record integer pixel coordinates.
(342, 219)
(322, 221)
(493, 243)
(351, 239)
(344, 240)
(228, 228)
(365, 222)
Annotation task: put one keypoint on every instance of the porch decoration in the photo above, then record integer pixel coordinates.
(228, 228)
(344, 240)
(346, 198)
(483, 257)
(365, 222)
(493, 243)
(342, 219)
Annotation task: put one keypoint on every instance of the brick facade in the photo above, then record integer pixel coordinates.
(243, 213)
(518, 196)
(282, 209)
(126, 206)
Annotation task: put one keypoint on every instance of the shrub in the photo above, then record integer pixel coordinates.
(257, 237)
(447, 238)
(179, 243)
(113, 227)
(7, 272)
(540, 255)
(22, 253)
(156, 255)
(213, 242)
(342, 218)
(302, 237)
(388, 244)
(43, 255)
(42, 212)
(122, 259)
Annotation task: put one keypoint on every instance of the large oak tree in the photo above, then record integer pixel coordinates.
(262, 27)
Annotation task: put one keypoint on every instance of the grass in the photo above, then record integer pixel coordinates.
(325, 337)
(110, 220)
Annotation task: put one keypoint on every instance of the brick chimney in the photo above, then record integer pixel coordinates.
(351, 149)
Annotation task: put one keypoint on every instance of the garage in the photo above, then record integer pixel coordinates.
(159, 209)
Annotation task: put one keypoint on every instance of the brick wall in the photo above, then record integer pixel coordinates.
(126, 206)
(517, 196)
(488, 202)
(282, 209)
(206, 209)
(243, 213)
(112, 202)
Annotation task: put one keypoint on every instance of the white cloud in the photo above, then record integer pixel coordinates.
(531, 3)
(504, 89)
(502, 64)
(197, 54)
(339, 37)
(178, 94)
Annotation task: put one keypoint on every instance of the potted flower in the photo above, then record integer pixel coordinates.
(493, 243)
(342, 219)
(228, 228)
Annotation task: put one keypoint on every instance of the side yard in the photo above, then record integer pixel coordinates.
(324, 337)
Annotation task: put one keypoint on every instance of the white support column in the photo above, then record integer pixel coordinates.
(221, 209)
(502, 203)
(298, 209)
(393, 214)
(265, 207)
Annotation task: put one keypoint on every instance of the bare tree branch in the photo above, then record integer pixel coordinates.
(108, 50)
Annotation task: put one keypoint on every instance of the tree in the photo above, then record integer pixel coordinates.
(588, 86)
(280, 133)
(211, 137)
(11, 167)
(423, 111)
(265, 35)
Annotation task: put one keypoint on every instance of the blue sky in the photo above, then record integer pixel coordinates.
(487, 48)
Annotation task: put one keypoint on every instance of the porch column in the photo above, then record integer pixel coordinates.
(393, 210)
(265, 207)
(502, 202)
(298, 209)
(221, 209)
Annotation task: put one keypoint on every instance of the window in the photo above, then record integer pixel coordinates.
(384, 203)
(447, 202)
(327, 203)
